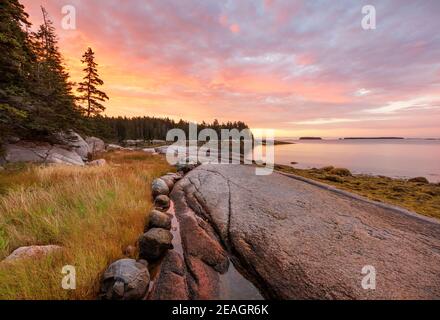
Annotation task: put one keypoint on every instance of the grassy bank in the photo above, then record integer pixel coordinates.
(420, 197)
(92, 212)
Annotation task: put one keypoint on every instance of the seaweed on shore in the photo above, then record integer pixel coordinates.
(415, 194)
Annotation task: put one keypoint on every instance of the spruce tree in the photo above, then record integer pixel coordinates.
(15, 63)
(54, 106)
(91, 95)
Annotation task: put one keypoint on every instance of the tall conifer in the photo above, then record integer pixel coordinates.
(91, 96)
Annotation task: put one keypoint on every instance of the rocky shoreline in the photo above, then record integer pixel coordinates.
(130, 279)
(243, 236)
(68, 148)
(181, 255)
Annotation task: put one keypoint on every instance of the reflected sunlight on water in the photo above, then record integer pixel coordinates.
(394, 158)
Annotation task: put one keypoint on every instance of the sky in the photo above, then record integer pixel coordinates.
(303, 68)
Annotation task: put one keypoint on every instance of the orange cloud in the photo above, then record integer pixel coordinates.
(164, 59)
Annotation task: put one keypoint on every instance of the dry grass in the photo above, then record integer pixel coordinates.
(92, 212)
(414, 195)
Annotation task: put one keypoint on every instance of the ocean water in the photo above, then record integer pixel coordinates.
(393, 158)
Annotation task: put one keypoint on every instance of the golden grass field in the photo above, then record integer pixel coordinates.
(92, 212)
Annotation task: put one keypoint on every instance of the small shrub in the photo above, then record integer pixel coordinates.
(327, 169)
(341, 172)
(419, 180)
(333, 178)
(398, 189)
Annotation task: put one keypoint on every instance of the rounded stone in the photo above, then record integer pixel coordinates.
(162, 203)
(159, 187)
(158, 219)
(154, 243)
(125, 279)
(169, 181)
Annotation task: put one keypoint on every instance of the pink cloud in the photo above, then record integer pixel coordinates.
(235, 28)
(303, 59)
(223, 20)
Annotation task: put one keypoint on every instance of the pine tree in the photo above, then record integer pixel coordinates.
(15, 62)
(91, 95)
(54, 102)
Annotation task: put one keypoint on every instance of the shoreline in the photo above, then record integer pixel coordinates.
(415, 194)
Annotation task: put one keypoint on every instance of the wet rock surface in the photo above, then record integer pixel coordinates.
(295, 240)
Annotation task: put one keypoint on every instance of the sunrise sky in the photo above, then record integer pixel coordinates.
(300, 67)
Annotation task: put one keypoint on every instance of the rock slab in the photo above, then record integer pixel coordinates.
(171, 283)
(41, 153)
(296, 240)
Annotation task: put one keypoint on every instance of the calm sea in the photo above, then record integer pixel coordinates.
(394, 158)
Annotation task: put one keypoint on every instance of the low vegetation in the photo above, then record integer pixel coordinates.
(92, 212)
(416, 194)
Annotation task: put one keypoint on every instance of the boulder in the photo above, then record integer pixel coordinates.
(75, 142)
(62, 156)
(422, 180)
(149, 150)
(125, 279)
(129, 251)
(132, 143)
(169, 180)
(161, 150)
(162, 203)
(112, 147)
(96, 145)
(154, 243)
(97, 163)
(175, 176)
(159, 219)
(41, 153)
(1, 168)
(31, 252)
(186, 165)
(159, 187)
(13, 140)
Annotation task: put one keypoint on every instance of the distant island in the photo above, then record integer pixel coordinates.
(375, 138)
(277, 142)
(310, 138)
